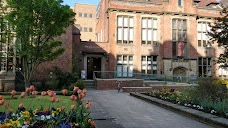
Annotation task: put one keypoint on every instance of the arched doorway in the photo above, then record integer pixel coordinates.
(180, 74)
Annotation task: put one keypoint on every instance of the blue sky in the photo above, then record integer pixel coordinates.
(72, 2)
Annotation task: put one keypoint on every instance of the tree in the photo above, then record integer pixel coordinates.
(36, 24)
(219, 34)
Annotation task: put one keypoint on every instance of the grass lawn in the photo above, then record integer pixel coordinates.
(36, 103)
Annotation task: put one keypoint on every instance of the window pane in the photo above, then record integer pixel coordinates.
(119, 70)
(120, 34)
(179, 24)
(155, 23)
(131, 22)
(204, 36)
(144, 34)
(149, 23)
(131, 34)
(174, 24)
(199, 36)
(144, 23)
(204, 61)
(149, 36)
(174, 34)
(119, 59)
(155, 35)
(184, 34)
(130, 71)
(120, 21)
(208, 28)
(184, 25)
(204, 27)
(125, 22)
(199, 27)
(125, 33)
(124, 70)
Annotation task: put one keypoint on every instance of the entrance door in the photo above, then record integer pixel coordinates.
(179, 74)
(93, 64)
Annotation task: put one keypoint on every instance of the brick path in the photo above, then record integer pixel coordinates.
(120, 110)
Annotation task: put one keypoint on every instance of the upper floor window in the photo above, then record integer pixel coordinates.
(149, 31)
(90, 15)
(203, 38)
(125, 29)
(124, 66)
(179, 38)
(80, 14)
(179, 3)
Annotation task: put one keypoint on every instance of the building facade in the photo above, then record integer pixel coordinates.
(161, 37)
(86, 21)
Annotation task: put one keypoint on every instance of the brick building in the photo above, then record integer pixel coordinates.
(86, 21)
(156, 37)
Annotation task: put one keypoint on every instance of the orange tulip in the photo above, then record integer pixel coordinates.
(34, 93)
(62, 108)
(73, 97)
(23, 94)
(43, 93)
(1, 97)
(51, 93)
(75, 89)
(2, 102)
(13, 93)
(32, 88)
(10, 111)
(52, 99)
(27, 90)
(64, 92)
(72, 107)
(21, 105)
(7, 106)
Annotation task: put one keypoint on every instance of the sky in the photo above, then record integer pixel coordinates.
(72, 2)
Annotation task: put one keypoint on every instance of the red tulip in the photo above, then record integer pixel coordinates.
(13, 93)
(51, 93)
(34, 93)
(75, 89)
(64, 92)
(79, 91)
(32, 88)
(88, 105)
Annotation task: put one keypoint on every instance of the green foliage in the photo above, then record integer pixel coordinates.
(221, 107)
(219, 34)
(207, 105)
(37, 23)
(64, 78)
(80, 84)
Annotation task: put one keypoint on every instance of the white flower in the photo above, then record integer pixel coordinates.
(48, 117)
(42, 117)
(185, 104)
(194, 105)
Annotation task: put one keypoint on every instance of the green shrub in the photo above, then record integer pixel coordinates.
(80, 84)
(207, 105)
(221, 107)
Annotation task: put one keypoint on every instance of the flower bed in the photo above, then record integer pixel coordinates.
(219, 107)
(55, 117)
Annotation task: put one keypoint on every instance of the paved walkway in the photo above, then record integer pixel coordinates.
(111, 109)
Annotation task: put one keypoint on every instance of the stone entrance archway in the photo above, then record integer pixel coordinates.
(180, 74)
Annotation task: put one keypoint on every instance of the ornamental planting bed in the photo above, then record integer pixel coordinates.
(47, 110)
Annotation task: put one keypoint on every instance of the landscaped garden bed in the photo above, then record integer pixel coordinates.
(210, 96)
(30, 110)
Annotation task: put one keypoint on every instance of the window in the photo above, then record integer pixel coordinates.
(223, 72)
(124, 66)
(85, 14)
(85, 29)
(90, 29)
(149, 31)
(179, 3)
(125, 29)
(80, 14)
(90, 15)
(149, 64)
(203, 38)
(179, 38)
(205, 65)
